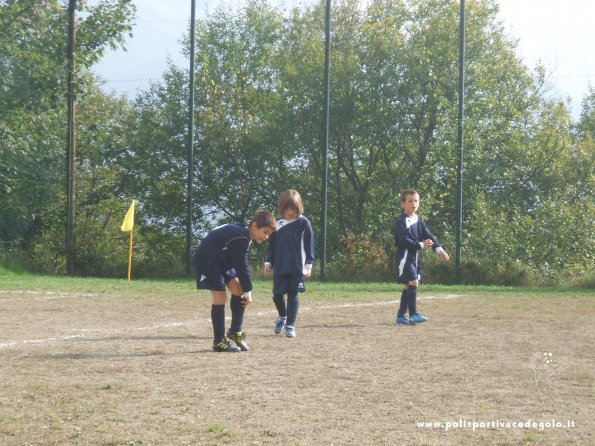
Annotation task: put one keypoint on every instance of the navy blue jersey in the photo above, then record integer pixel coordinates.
(410, 233)
(223, 249)
(291, 247)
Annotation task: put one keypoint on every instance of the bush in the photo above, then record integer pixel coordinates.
(362, 259)
(584, 280)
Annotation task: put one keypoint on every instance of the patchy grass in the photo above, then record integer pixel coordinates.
(99, 361)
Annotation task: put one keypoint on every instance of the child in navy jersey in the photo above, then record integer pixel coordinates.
(291, 255)
(221, 260)
(411, 236)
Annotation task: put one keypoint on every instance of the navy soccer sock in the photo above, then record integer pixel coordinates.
(412, 300)
(279, 300)
(237, 313)
(403, 304)
(218, 319)
(293, 304)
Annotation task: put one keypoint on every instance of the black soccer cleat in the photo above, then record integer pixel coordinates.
(225, 345)
(239, 338)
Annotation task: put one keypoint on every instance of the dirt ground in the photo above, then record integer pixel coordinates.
(109, 369)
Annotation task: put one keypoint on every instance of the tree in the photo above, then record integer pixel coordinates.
(258, 118)
(586, 124)
(32, 93)
(236, 76)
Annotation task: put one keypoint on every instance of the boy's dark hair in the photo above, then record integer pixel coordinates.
(406, 193)
(264, 219)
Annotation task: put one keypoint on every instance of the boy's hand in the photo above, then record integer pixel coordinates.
(428, 243)
(246, 299)
(444, 256)
(266, 269)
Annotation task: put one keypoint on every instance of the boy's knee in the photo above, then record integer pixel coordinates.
(235, 287)
(414, 283)
(219, 297)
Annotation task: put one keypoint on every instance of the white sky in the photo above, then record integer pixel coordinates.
(558, 33)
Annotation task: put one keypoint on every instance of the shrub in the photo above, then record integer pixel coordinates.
(474, 272)
(362, 259)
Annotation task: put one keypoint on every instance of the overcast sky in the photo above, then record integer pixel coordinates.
(561, 34)
(558, 33)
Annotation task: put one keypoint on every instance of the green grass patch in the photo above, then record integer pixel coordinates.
(530, 438)
(218, 430)
(185, 287)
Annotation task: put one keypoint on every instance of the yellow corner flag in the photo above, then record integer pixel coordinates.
(128, 226)
(128, 222)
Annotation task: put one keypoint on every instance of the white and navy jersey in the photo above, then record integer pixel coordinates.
(410, 233)
(291, 247)
(224, 248)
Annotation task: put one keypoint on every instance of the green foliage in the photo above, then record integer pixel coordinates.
(32, 116)
(236, 110)
(484, 272)
(159, 254)
(584, 281)
(362, 259)
(586, 124)
(528, 196)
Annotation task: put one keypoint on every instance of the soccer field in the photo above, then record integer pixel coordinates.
(132, 367)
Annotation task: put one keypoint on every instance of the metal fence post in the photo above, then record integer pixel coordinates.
(327, 65)
(70, 140)
(459, 207)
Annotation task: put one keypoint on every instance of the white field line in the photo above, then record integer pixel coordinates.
(366, 304)
(87, 333)
(48, 294)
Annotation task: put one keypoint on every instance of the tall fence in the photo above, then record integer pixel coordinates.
(259, 129)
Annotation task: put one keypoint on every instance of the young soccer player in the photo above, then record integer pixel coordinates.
(291, 254)
(411, 236)
(221, 260)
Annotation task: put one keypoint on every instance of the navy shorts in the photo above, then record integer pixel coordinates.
(408, 275)
(408, 269)
(214, 281)
(287, 283)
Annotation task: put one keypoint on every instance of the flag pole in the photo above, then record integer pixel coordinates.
(130, 255)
